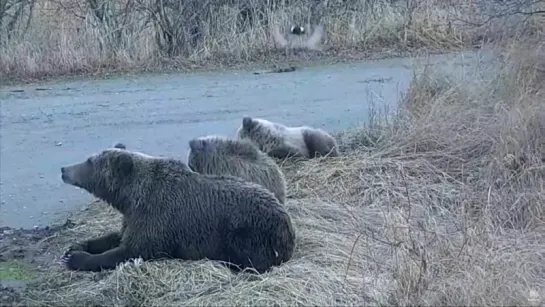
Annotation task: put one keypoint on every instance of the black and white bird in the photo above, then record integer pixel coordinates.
(298, 37)
(297, 30)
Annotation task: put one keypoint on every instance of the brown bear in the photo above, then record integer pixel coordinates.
(218, 155)
(170, 211)
(280, 141)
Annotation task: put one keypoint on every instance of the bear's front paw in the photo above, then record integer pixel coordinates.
(77, 247)
(75, 260)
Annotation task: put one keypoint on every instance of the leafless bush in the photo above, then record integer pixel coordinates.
(15, 15)
(91, 36)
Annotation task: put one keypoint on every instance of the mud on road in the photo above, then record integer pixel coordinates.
(62, 123)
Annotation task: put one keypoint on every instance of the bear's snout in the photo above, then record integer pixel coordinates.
(64, 176)
(75, 174)
(67, 174)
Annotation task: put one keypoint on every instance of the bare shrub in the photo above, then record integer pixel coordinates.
(15, 18)
(488, 134)
(94, 36)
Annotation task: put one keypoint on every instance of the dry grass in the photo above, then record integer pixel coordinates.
(444, 209)
(64, 37)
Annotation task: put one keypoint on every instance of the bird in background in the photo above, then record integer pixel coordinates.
(297, 30)
(299, 38)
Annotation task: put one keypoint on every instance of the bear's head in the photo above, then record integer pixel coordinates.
(198, 148)
(206, 143)
(257, 129)
(249, 128)
(102, 174)
(249, 123)
(214, 148)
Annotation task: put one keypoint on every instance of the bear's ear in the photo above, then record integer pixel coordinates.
(202, 145)
(120, 146)
(124, 164)
(247, 122)
(196, 144)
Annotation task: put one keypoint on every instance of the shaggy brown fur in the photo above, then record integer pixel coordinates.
(216, 155)
(170, 211)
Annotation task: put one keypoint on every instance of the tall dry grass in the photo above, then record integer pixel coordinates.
(66, 37)
(439, 205)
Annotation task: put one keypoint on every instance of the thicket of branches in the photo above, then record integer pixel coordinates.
(69, 36)
(177, 24)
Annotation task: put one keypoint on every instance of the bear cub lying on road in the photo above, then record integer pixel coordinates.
(217, 155)
(170, 211)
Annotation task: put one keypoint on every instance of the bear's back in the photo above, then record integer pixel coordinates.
(188, 202)
(199, 192)
(240, 158)
(188, 215)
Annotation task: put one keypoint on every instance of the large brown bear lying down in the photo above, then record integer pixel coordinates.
(170, 211)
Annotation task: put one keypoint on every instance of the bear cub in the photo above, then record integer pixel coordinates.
(170, 211)
(217, 155)
(280, 141)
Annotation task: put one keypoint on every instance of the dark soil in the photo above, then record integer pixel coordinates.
(30, 249)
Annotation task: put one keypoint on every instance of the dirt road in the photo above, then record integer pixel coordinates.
(50, 125)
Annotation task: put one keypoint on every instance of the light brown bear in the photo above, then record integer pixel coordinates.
(282, 142)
